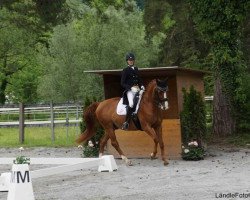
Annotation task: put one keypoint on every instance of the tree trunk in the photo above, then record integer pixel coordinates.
(223, 118)
(2, 91)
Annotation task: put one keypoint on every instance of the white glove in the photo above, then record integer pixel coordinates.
(135, 89)
(142, 87)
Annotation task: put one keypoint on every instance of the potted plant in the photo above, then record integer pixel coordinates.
(21, 159)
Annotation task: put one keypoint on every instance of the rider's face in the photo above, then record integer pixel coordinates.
(130, 62)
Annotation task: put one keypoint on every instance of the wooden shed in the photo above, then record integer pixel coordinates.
(137, 143)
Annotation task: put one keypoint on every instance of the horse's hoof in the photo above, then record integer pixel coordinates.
(129, 163)
(165, 163)
(153, 156)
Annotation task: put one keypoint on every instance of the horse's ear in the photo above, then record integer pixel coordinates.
(160, 80)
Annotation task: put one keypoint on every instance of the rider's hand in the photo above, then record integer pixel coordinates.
(135, 89)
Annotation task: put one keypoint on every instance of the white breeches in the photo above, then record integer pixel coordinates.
(131, 96)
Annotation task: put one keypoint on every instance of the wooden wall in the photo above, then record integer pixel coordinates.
(137, 144)
(184, 80)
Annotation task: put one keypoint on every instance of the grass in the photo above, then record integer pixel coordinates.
(39, 136)
(241, 140)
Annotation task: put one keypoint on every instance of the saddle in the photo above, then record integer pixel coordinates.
(121, 109)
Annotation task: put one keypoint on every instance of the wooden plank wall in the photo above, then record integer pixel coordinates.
(185, 81)
(137, 144)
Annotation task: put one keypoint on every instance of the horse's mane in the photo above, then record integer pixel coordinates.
(151, 85)
(149, 90)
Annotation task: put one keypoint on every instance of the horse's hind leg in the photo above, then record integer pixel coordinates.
(115, 144)
(103, 142)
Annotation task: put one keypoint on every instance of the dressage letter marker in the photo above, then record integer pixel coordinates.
(20, 186)
(16, 177)
(18, 183)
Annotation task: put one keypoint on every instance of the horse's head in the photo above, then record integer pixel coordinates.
(161, 93)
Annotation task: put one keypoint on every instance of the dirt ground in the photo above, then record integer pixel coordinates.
(223, 172)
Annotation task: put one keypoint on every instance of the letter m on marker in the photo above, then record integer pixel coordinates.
(24, 178)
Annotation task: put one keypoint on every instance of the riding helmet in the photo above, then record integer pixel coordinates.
(130, 56)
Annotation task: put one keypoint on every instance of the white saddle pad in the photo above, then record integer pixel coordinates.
(121, 108)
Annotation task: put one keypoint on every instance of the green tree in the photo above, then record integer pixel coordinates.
(25, 24)
(23, 84)
(182, 46)
(38, 14)
(90, 43)
(102, 6)
(220, 23)
(62, 66)
(15, 51)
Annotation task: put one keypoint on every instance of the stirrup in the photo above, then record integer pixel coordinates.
(125, 126)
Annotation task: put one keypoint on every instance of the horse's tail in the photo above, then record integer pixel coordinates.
(90, 120)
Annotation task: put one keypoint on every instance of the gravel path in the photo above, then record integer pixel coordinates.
(224, 171)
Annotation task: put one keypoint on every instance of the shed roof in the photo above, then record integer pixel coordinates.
(154, 71)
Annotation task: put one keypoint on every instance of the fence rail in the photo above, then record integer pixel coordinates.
(39, 115)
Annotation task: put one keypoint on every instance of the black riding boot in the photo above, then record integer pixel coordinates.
(128, 117)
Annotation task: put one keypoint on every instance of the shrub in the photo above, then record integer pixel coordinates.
(193, 117)
(192, 151)
(21, 159)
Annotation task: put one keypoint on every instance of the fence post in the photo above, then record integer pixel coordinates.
(77, 117)
(21, 123)
(52, 122)
(67, 122)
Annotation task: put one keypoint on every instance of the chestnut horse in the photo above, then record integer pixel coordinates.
(153, 101)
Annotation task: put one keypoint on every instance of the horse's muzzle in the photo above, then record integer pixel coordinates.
(163, 105)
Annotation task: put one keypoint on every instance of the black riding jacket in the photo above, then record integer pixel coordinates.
(130, 77)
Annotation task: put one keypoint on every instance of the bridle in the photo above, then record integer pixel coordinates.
(162, 103)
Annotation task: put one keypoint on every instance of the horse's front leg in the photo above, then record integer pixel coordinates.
(153, 154)
(151, 132)
(161, 143)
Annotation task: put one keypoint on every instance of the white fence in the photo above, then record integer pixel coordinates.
(41, 115)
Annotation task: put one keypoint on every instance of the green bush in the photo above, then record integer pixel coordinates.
(193, 117)
(192, 151)
(91, 147)
(243, 115)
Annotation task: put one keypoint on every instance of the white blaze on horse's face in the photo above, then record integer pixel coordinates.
(165, 102)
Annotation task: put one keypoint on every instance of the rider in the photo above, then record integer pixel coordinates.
(132, 84)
